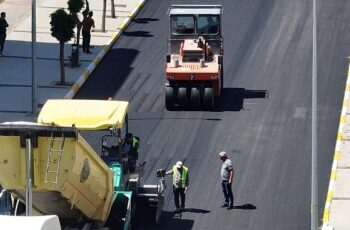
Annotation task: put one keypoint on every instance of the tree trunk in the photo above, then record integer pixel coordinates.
(79, 26)
(112, 9)
(63, 78)
(87, 4)
(104, 16)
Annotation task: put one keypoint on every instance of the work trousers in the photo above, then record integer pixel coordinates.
(86, 40)
(179, 192)
(227, 190)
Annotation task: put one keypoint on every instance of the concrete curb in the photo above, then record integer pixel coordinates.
(337, 154)
(87, 72)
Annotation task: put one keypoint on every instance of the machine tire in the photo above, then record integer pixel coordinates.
(182, 97)
(208, 98)
(195, 98)
(169, 98)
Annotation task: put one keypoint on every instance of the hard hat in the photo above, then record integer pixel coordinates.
(179, 164)
(222, 154)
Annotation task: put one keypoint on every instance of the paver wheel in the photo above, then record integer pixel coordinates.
(169, 98)
(208, 98)
(195, 98)
(182, 97)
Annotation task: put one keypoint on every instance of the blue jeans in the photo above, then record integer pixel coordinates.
(227, 190)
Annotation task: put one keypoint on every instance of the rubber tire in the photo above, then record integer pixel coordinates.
(208, 98)
(169, 98)
(182, 97)
(195, 98)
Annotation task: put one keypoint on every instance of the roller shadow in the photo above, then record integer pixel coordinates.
(232, 99)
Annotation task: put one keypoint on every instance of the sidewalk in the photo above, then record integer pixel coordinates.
(337, 208)
(16, 64)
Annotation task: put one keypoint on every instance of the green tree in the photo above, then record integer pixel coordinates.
(62, 28)
(74, 7)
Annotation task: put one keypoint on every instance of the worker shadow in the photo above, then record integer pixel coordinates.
(232, 99)
(137, 34)
(245, 207)
(144, 20)
(196, 210)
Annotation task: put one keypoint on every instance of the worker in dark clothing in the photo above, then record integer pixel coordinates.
(87, 24)
(180, 184)
(3, 26)
(131, 146)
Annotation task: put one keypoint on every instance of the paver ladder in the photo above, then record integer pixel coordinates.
(54, 158)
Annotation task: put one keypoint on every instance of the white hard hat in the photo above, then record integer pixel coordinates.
(179, 164)
(222, 154)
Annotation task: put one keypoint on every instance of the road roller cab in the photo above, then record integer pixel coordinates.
(194, 65)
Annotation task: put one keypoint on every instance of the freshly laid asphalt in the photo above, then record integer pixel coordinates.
(268, 47)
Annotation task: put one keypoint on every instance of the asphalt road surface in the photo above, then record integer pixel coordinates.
(268, 46)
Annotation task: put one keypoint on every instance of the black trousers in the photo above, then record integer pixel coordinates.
(179, 192)
(86, 40)
(2, 41)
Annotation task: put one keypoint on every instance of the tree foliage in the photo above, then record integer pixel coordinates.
(74, 6)
(62, 25)
(62, 28)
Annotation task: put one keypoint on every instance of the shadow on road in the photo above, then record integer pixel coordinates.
(246, 207)
(143, 220)
(169, 222)
(144, 20)
(137, 34)
(232, 99)
(196, 210)
(105, 82)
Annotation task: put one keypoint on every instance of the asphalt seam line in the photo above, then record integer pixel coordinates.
(337, 153)
(114, 37)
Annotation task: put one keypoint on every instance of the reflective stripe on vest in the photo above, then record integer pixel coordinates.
(183, 175)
